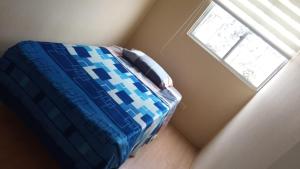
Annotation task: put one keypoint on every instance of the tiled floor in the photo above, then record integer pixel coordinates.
(20, 149)
(169, 151)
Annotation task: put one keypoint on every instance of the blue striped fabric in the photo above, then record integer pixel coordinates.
(94, 110)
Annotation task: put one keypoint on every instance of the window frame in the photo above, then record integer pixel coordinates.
(222, 60)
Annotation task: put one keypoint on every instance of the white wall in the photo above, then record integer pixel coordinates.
(72, 21)
(265, 133)
(289, 160)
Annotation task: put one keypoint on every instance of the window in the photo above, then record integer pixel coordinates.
(252, 56)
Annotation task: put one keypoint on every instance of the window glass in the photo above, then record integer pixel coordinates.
(219, 31)
(253, 59)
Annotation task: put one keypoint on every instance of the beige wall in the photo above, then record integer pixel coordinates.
(212, 95)
(72, 21)
(266, 133)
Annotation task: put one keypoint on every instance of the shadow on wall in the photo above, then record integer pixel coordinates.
(92, 22)
(3, 46)
(266, 133)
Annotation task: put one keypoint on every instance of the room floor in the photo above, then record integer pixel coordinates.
(20, 149)
(169, 151)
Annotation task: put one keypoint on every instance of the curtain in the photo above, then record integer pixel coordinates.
(276, 21)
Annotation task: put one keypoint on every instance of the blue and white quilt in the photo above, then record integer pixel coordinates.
(90, 109)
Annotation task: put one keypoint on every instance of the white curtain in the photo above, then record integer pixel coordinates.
(277, 21)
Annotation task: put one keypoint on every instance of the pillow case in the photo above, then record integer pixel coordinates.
(130, 56)
(148, 67)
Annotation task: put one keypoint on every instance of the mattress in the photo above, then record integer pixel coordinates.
(88, 108)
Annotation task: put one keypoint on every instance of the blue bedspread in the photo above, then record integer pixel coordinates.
(93, 109)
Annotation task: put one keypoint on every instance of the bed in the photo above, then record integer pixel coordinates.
(90, 107)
